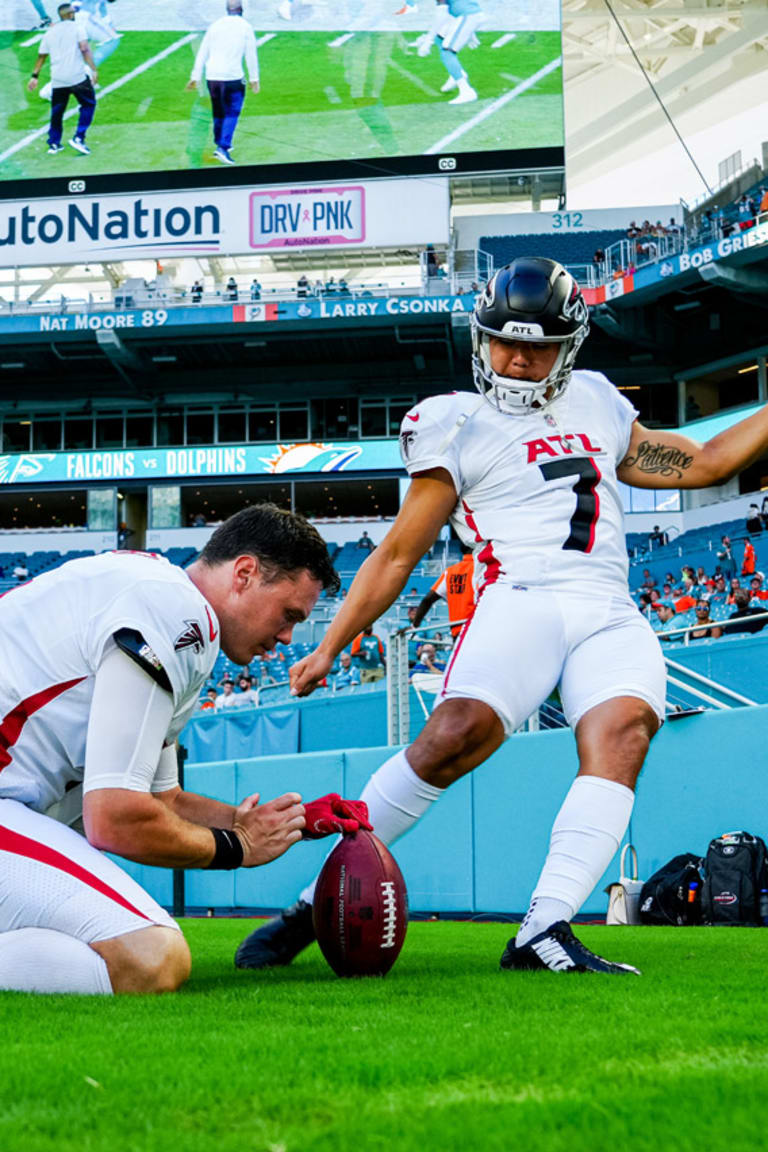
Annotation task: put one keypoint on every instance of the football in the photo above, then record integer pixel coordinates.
(360, 910)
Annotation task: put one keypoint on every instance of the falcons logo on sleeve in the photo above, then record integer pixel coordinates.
(191, 637)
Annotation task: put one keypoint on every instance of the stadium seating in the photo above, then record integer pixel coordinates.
(570, 248)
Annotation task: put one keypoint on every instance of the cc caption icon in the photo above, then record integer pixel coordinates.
(447, 164)
(76, 186)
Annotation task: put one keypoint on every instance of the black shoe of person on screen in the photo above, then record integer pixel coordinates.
(278, 941)
(558, 950)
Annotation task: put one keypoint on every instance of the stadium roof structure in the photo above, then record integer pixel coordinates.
(707, 59)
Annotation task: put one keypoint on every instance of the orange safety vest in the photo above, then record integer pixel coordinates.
(458, 591)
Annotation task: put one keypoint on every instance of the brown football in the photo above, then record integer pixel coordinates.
(360, 909)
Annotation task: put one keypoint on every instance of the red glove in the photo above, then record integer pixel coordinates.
(331, 814)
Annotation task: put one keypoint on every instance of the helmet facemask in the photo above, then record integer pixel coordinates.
(518, 397)
(532, 301)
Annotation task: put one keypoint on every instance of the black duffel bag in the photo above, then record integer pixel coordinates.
(673, 894)
(735, 889)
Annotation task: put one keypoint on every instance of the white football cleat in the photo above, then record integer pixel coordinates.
(450, 84)
(466, 94)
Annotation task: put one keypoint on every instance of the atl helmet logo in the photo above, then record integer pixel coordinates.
(191, 637)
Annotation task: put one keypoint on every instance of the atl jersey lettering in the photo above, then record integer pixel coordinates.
(539, 501)
(53, 634)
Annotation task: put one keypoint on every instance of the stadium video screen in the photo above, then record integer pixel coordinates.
(346, 88)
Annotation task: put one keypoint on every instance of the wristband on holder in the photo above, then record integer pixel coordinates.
(229, 849)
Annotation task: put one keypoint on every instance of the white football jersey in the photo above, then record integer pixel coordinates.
(538, 497)
(53, 633)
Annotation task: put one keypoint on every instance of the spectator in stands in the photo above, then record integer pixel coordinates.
(764, 511)
(124, 534)
(734, 586)
(232, 289)
(666, 590)
(331, 287)
(684, 602)
(208, 703)
(199, 520)
(475, 287)
(665, 615)
(343, 287)
(365, 542)
(748, 564)
(247, 694)
(763, 200)
(302, 287)
(658, 538)
(348, 675)
(255, 290)
(705, 628)
(428, 661)
(21, 572)
(368, 651)
(754, 523)
(599, 259)
(720, 591)
(756, 589)
(227, 699)
(226, 679)
(701, 577)
(648, 580)
(196, 291)
(726, 558)
(739, 621)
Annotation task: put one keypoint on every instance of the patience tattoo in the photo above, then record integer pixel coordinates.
(659, 459)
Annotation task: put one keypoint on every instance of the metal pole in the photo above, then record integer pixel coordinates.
(179, 902)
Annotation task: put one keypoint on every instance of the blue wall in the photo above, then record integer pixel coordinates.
(293, 726)
(481, 847)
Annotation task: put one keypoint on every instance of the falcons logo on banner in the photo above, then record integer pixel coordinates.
(191, 637)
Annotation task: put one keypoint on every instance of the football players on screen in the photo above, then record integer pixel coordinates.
(103, 662)
(528, 475)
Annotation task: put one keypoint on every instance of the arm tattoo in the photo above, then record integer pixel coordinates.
(659, 459)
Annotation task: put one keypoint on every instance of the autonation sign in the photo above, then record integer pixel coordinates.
(227, 221)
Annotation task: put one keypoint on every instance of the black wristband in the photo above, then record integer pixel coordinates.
(229, 849)
(35, 75)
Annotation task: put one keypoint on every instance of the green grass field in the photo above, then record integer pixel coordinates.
(369, 98)
(447, 1053)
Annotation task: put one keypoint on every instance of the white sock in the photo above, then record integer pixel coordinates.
(41, 960)
(587, 832)
(396, 799)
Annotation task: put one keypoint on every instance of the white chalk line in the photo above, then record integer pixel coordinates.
(441, 145)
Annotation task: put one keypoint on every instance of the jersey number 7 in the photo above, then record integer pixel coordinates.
(587, 510)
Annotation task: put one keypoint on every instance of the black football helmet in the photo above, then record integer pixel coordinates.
(537, 301)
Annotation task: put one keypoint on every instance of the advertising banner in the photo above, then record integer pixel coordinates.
(223, 222)
(203, 315)
(239, 461)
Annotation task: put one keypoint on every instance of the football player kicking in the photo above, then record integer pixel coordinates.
(102, 664)
(527, 475)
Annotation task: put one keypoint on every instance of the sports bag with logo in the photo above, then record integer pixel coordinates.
(735, 878)
(673, 894)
